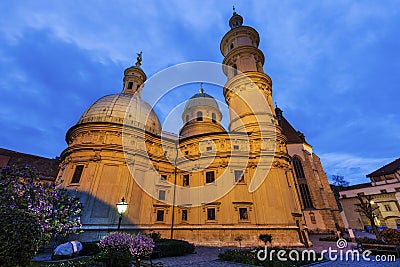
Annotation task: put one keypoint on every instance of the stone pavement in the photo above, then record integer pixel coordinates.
(208, 257)
(204, 257)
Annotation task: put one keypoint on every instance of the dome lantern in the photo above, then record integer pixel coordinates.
(201, 115)
(134, 78)
(236, 20)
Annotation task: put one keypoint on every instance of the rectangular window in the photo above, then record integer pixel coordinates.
(243, 215)
(209, 148)
(239, 177)
(211, 214)
(312, 217)
(130, 85)
(161, 195)
(387, 207)
(186, 180)
(383, 191)
(77, 174)
(184, 215)
(361, 194)
(235, 147)
(160, 215)
(210, 177)
(163, 177)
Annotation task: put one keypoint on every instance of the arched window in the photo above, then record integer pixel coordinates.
(199, 116)
(298, 168)
(302, 182)
(187, 118)
(213, 117)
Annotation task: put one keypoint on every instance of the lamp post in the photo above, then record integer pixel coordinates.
(121, 207)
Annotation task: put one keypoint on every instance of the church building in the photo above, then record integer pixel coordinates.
(207, 185)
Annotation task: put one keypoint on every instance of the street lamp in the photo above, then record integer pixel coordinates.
(121, 207)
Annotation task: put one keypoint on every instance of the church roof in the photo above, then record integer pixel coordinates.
(387, 169)
(47, 167)
(293, 136)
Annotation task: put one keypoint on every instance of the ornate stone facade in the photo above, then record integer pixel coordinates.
(207, 185)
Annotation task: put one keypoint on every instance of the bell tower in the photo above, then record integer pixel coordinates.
(248, 89)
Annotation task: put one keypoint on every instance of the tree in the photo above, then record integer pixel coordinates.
(239, 239)
(366, 207)
(265, 238)
(54, 209)
(339, 181)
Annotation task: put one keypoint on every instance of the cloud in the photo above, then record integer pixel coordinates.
(334, 65)
(353, 168)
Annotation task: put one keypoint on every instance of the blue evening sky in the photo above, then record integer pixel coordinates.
(335, 67)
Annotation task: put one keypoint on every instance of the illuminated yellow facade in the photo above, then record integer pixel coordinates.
(118, 147)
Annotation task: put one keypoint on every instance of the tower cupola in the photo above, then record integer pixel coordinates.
(236, 20)
(134, 78)
(201, 115)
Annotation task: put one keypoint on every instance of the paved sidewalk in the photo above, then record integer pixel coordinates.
(204, 257)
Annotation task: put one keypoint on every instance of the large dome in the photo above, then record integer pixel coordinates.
(126, 109)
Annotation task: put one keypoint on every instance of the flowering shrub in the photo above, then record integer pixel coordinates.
(50, 209)
(116, 242)
(142, 246)
(122, 248)
(56, 211)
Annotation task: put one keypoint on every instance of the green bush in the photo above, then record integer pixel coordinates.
(20, 235)
(155, 236)
(172, 247)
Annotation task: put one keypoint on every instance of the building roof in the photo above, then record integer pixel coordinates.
(291, 134)
(47, 167)
(387, 169)
(356, 186)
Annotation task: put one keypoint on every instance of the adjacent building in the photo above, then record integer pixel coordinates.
(384, 186)
(48, 168)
